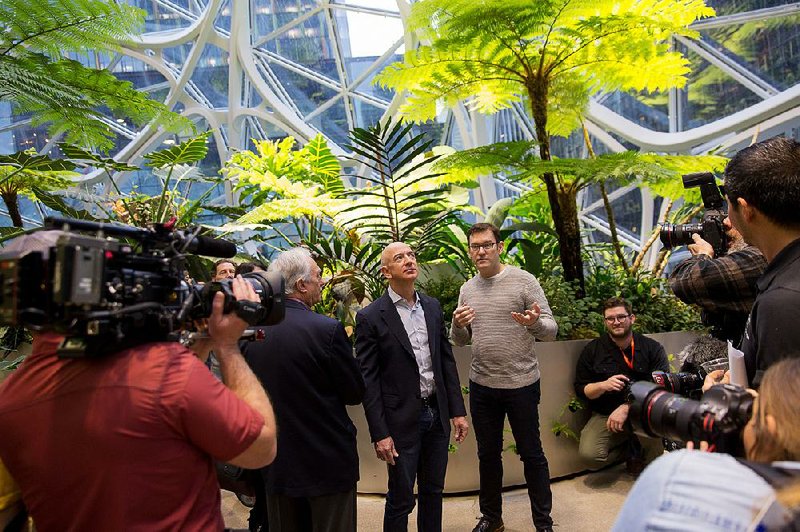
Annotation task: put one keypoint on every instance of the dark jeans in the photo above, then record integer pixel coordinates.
(489, 407)
(425, 460)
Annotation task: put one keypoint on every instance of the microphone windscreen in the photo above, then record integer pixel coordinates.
(212, 247)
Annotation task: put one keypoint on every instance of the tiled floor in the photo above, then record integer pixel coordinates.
(588, 502)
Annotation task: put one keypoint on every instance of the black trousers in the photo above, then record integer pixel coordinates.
(489, 408)
(325, 513)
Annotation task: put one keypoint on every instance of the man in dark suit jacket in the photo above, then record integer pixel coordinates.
(306, 364)
(412, 391)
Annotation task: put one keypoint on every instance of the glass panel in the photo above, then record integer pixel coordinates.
(647, 110)
(769, 48)
(306, 93)
(161, 17)
(210, 76)
(307, 44)
(728, 7)
(273, 14)
(711, 94)
(177, 55)
(223, 20)
(388, 5)
(333, 123)
(356, 66)
(366, 114)
(367, 35)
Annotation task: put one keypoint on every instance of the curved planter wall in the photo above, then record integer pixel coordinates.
(557, 362)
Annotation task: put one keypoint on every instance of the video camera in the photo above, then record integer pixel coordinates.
(718, 417)
(107, 294)
(710, 227)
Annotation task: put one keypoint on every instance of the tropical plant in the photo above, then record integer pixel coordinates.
(69, 96)
(403, 199)
(33, 175)
(552, 54)
(519, 162)
(347, 226)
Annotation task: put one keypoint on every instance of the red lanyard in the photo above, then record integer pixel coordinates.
(629, 361)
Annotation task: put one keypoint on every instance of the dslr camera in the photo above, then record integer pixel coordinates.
(710, 228)
(120, 286)
(718, 417)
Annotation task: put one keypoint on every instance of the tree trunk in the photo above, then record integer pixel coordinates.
(10, 199)
(563, 200)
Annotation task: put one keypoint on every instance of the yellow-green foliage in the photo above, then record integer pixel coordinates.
(492, 53)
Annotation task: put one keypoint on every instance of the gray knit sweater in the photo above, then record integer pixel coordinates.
(503, 354)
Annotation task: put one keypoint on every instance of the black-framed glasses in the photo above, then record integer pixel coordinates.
(486, 246)
(620, 317)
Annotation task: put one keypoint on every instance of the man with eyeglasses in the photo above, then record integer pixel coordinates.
(605, 368)
(412, 391)
(502, 311)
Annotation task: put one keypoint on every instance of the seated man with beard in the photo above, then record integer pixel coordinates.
(604, 369)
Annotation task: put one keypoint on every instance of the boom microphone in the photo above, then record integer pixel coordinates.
(211, 247)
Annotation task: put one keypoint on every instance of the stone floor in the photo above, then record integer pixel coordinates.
(586, 502)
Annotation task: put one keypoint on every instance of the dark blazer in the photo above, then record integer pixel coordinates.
(392, 400)
(306, 364)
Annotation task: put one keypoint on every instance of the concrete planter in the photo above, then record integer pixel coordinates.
(557, 362)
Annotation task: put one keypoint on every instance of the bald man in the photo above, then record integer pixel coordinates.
(412, 391)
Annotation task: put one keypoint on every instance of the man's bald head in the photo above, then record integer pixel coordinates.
(390, 250)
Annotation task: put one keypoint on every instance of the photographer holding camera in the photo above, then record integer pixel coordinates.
(762, 183)
(720, 276)
(698, 491)
(605, 370)
(127, 440)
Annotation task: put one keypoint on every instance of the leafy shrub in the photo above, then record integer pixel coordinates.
(445, 289)
(656, 308)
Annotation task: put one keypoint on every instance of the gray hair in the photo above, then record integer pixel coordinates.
(293, 264)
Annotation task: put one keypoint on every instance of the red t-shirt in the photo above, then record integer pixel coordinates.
(122, 442)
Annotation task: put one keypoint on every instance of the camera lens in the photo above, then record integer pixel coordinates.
(680, 383)
(673, 235)
(269, 287)
(655, 412)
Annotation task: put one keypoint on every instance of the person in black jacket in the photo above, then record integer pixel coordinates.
(605, 368)
(412, 391)
(762, 187)
(306, 364)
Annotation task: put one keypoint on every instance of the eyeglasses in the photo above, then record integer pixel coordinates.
(486, 246)
(621, 317)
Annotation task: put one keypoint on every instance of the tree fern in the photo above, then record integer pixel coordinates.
(62, 92)
(552, 55)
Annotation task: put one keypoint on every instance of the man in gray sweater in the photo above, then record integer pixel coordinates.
(503, 311)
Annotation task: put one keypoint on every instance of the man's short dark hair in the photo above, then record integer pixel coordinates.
(480, 228)
(613, 302)
(767, 176)
(221, 261)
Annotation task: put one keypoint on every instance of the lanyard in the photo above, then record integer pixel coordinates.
(629, 361)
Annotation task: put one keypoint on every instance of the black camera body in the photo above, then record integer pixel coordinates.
(718, 417)
(710, 228)
(105, 294)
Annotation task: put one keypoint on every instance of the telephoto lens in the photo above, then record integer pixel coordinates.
(724, 409)
(684, 383)
(674, 235)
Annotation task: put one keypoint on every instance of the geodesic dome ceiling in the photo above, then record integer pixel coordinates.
(270, 68)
